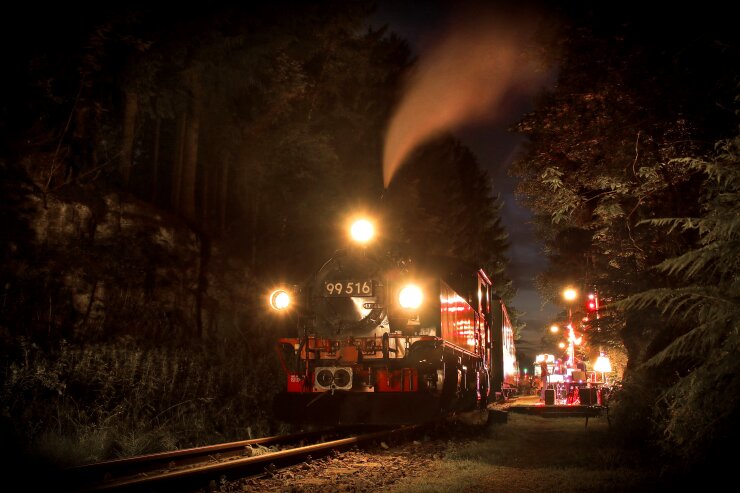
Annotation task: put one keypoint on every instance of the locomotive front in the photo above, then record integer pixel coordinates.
(371, 348)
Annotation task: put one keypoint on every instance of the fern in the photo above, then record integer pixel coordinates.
(705, 302)
(681, 303)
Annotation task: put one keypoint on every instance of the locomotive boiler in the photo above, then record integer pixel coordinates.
(385, 339)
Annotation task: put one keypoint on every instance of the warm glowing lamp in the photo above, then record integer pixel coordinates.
(570, 294)
(279, 299)
(362, 231)
(554, 329)
(410, 297)
(603, 364)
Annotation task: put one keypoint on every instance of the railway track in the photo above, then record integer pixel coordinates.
(191, 469)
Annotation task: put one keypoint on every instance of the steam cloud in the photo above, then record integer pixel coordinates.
(463, 79)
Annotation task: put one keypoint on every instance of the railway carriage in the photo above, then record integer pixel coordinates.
(389, 340)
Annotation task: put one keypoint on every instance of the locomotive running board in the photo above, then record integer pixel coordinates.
(368, 408)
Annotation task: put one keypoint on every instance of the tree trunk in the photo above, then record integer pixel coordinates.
(130, 110)
(204, 185)
(255, 204)
(201, 290)
(223, 195)
(177, 165)
(190, 157)
(89, 306)
(155, 159)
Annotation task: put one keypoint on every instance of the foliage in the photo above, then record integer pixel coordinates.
(631, 201)
(700, 407)
(448, 205)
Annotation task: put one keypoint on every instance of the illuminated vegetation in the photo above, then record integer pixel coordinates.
(631, 169)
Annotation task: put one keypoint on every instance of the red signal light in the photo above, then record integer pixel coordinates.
(592, 304)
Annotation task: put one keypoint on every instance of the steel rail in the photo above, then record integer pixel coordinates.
(143, 471)
(143, 463)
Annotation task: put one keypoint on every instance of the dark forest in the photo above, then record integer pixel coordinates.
(161, 170)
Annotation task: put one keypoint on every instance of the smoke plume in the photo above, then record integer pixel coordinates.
(465, 78)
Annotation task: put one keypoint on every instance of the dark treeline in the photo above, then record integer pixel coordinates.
(632, 172)
(162, 169)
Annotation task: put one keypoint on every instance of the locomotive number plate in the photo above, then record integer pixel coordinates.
(348, 288)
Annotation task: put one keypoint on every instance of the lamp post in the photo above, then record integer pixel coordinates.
(573, 341)
(570, 294)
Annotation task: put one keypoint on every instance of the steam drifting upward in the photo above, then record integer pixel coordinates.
(464, 79)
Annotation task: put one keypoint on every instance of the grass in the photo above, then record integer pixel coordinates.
(535, 454)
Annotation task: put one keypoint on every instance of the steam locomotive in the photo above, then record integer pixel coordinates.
(385, 339)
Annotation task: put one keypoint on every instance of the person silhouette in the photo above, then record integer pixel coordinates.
(544, 374)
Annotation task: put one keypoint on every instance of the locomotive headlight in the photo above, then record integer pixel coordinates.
(362, 231)
(279, 299)
(410, 297)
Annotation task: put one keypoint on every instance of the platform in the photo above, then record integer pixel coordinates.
(530, 404)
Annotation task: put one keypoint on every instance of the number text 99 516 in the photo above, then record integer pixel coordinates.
(348, 288)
